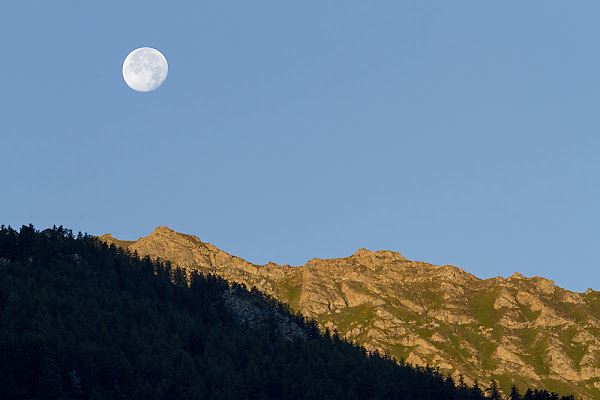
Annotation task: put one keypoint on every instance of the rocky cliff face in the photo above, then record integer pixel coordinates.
(518, 330)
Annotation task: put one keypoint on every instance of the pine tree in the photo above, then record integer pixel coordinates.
(514, 394)
(494, 391)
(476, 391)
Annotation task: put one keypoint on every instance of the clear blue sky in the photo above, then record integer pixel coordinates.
(454, 132)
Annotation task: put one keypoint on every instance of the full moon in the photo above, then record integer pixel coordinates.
(145, 69)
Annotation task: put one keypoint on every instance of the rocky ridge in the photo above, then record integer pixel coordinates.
(518, 330)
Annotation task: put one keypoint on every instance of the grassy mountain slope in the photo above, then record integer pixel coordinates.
(81, 320)
(518, 330)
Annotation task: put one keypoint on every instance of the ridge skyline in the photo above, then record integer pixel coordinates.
(467, 270)
(517, 330)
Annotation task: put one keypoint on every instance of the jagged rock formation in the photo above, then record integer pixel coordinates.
(518, 330)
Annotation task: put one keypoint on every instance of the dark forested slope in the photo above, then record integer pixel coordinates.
(79, 319)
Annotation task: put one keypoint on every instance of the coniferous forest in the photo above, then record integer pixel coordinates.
(81, 320)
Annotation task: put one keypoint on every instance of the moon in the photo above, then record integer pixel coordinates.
(145, 69)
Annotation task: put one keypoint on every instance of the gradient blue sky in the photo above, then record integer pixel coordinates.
(454, 132)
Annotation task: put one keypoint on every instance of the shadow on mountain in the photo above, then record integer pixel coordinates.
(82, 320)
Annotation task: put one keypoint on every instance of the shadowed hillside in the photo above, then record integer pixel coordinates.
(82, 320)
(523, 331)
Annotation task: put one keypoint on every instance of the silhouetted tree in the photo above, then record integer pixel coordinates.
(494, 392)
(514, 394)
(476, 392)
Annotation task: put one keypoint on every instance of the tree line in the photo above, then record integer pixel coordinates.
(83, 320)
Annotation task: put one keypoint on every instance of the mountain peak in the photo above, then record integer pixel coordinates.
(417, 311)
(362, 252)
(163, 229)
(393, 255)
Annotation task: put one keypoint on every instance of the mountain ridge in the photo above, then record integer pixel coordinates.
(82, 320)
(525, 331)
(163, 229)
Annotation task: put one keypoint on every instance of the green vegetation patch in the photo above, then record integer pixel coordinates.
(482, 304)
(574, 311)
(528, 314)
(536, 344)
(486, 348)
(349, 317)
(561, 387)
(452, 346)
(574, 350)
(291, 295)
(430, 294)
(506, 381)
(398, 351)
(593, 299)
